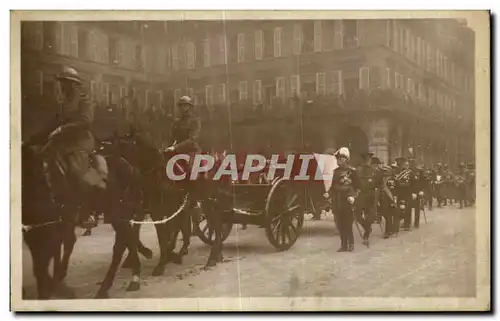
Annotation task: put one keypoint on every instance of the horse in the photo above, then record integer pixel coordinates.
(164, 197)
(46, 226)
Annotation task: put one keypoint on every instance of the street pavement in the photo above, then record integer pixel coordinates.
(436, 260)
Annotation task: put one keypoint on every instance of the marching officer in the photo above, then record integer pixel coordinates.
(404, 190)
(384, 196)
(345, 189)
(418, 186)
(448, 185)
(365, 205)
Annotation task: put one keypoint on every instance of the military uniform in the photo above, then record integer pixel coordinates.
(365, 203)
(345, 184)
(417, 186)
(429, 179)
(385, 197)
(404, 180)
(439, 186)
(72, 143)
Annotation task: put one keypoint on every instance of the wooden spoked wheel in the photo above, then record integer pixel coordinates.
(284, 214)
(206, 233)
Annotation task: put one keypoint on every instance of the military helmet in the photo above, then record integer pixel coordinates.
(70, 74)
(185, 100)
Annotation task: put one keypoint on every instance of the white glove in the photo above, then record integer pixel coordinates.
(414, 196)
(170, 149)
(350, 199)
(326, 195)
(420, 193)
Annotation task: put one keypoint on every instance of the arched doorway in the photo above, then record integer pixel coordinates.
(355, 139)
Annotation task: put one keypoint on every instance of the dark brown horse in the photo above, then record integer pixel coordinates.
(46, 225)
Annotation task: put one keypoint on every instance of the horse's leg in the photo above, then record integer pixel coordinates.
(141, 248)
(69, 240)
(186, 233)
(118, 251)
(161, 233)
(132, 243)
(41, 260)
(214, 218)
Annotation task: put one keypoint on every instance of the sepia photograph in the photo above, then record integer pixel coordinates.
(250, 161)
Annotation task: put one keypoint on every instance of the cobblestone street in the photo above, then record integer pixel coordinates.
(436, 260)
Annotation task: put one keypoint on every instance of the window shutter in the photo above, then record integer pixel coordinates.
(209, 95)
(297, 39)
(241, 47)
(258, 44)
(320, 83)
(277, 42)
(295, 85)
(257, 91)
(222, 93)
(243, 91)
(337, 83)
(206, 53)
(177, 95)
(364, 78)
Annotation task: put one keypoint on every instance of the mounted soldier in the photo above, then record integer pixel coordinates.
(69, 144)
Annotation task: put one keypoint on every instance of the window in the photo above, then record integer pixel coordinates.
(318, 36)
(338, 34)
(446, 69)
(258, 44)
(297, 39)
(277, 42)
(430, 58)
(206, 53)
(421, 92)
(402, 35)
(350, 33)
(66, 39)
(395, 33)
(295, 85)
(105, 48)
(280, 87)
(320, 83)
(222, 50)
(222, 93)
(190, 55)
(105, 93)
(93, 46)
(423, 54)
(336, 86)
(177, 95)
(364, 78)
(74, 41)
(209, 95)
(452, 74)
(419, 51)
(175, 56)
(407, 51)
(32, 34)
(386, 82)
(410, 89)
(388, 34)
(257, 92)
(398, 81)
(438, 63)
(241, 47)
(243, 91)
